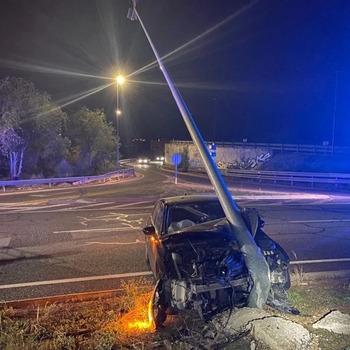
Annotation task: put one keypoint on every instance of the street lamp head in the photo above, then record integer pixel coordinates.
(120, 80)
(118, 112)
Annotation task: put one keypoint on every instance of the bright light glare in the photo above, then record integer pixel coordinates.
(45, 69)
(120, 80)
(77, 97)
(171, 55)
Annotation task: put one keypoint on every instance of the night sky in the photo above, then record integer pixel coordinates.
(266, 71)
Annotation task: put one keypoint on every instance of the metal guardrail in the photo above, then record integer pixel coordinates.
(79, 180)
(280, 147)
(291, 177)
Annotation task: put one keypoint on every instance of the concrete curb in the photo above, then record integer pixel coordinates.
(318, 276)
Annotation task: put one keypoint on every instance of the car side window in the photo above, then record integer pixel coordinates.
(158, 216)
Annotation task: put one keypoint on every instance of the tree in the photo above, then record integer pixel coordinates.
(93, 146)
(49, 145)
(12, 147)
(30, 124)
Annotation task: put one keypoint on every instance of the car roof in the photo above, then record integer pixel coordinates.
(189, 199)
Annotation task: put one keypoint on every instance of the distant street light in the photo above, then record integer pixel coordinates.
(120, 81)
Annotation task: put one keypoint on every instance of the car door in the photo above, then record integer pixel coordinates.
(154, 242)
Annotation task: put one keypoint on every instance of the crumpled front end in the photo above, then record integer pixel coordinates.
(205, 274)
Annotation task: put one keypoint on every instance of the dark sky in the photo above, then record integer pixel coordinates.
(262, 70)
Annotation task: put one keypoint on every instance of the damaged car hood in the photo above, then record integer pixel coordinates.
(208, 231)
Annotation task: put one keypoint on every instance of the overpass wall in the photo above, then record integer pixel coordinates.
(235, 157)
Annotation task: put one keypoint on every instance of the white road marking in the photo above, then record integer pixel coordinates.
(90, 205)
(39, 195)
(101, 230)
(129, 204)
(124, 219)
(22, 206)
(74, 280)
(115, 243)
(301, 262)
(283, 196)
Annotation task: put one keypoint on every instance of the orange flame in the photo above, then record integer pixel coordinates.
(150, 314)
(145, 325)
(141, 325)
(139, 319)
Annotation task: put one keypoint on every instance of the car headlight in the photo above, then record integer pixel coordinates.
(232, 265)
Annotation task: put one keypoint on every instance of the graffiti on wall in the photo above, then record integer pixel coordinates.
(196, 161)
(245, 163)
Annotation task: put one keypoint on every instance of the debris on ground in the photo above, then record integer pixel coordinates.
(336, 322)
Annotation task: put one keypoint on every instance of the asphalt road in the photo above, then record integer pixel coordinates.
(88, 238)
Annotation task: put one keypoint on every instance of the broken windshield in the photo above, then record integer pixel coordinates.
(189, 214)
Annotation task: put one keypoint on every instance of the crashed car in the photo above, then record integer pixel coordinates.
(196, 260)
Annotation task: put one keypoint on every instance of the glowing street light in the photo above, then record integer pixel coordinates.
(120, 81)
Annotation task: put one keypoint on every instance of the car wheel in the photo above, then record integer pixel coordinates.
(147, 258)
(159, 306)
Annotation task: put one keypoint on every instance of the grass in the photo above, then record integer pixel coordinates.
(100, 324)
(121, 322)
(314, 301)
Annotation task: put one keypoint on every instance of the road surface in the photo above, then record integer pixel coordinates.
(88, 238)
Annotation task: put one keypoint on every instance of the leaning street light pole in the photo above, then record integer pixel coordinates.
(120, 81)
(254, 259)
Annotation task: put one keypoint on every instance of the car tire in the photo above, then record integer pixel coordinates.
(147, 258)
(159, 305)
